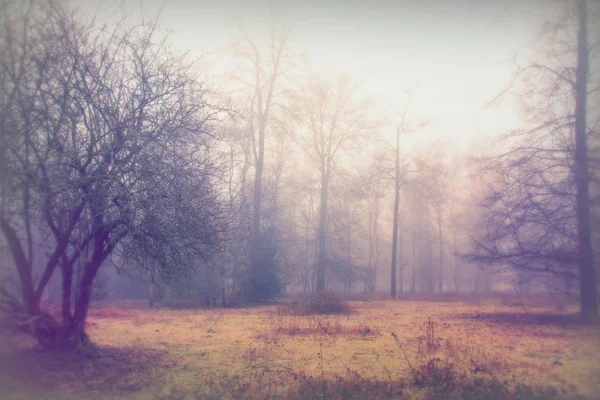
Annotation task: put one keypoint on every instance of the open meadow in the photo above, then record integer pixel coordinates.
(491, 348)
(174, 172)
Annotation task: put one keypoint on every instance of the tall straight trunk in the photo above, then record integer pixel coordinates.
(396, 206)
(455, 258)
(375, 248)
(587, 272)
(369, 280)
(257, 201)
(441, 273)
(150, 295)
(223, 288)
(349, 254)
(263, 104)
(487, 282)
(239, 247)
(322, 239)
(307, 274)
(414, 248)
(430, 275)
(401, 268)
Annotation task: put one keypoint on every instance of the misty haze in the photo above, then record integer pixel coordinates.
(299, 199)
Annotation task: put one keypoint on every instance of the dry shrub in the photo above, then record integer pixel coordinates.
(440, 363)
(323, 326)
(445, 371)
(322, 303)
(267, 383)
(328, 303)
(352, 385)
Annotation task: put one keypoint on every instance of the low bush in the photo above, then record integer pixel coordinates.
(323, 303)
(327, 303)
(323, 326)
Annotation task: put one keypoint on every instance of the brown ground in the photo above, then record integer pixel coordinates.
(260, 352)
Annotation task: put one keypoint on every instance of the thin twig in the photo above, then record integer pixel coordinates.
(412, 370)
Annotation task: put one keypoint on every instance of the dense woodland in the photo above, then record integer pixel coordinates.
(128, 173)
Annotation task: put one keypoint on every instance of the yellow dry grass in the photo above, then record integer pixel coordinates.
(181, 353)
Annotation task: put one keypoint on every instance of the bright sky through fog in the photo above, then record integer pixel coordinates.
(456, 53)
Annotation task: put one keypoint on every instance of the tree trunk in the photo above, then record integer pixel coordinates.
(587, 272)
(369, 280)
(76, 330)
(441, 273)
(401, 268)
(414, 249)
(49, 333)
(430, 284)
(396, 205)
(455, 257)
(223, 289)
(322, 240)
(256, 205)
(375, 247)
(151, 295)
(67, 287)
(23, 268)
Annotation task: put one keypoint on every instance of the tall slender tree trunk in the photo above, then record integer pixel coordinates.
(455, 256)
(375, 247)
(322, 235)
(401, 266)
(240, 241)
(414, 247)
(223, 288)
(441, 272)
(587, 271)
(307, 274)
(430, 275)
(369, 278)
(150, 296)
(257, 202)
(396, 206)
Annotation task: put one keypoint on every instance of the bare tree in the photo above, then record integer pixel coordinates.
(107, 148)
(437, 188)
(374, 197)
(537, 215)
(334, 122)
(265, 75)
(398, 176)
(587, 270)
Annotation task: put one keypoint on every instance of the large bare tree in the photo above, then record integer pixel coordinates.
(335, 122)
(262, 75)
(538, 217)
(105, 146)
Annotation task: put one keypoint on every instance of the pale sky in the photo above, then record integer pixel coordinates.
(456, 53)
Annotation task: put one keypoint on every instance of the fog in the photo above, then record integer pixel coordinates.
(304, 157)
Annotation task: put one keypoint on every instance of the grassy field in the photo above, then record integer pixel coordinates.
(462, 349)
